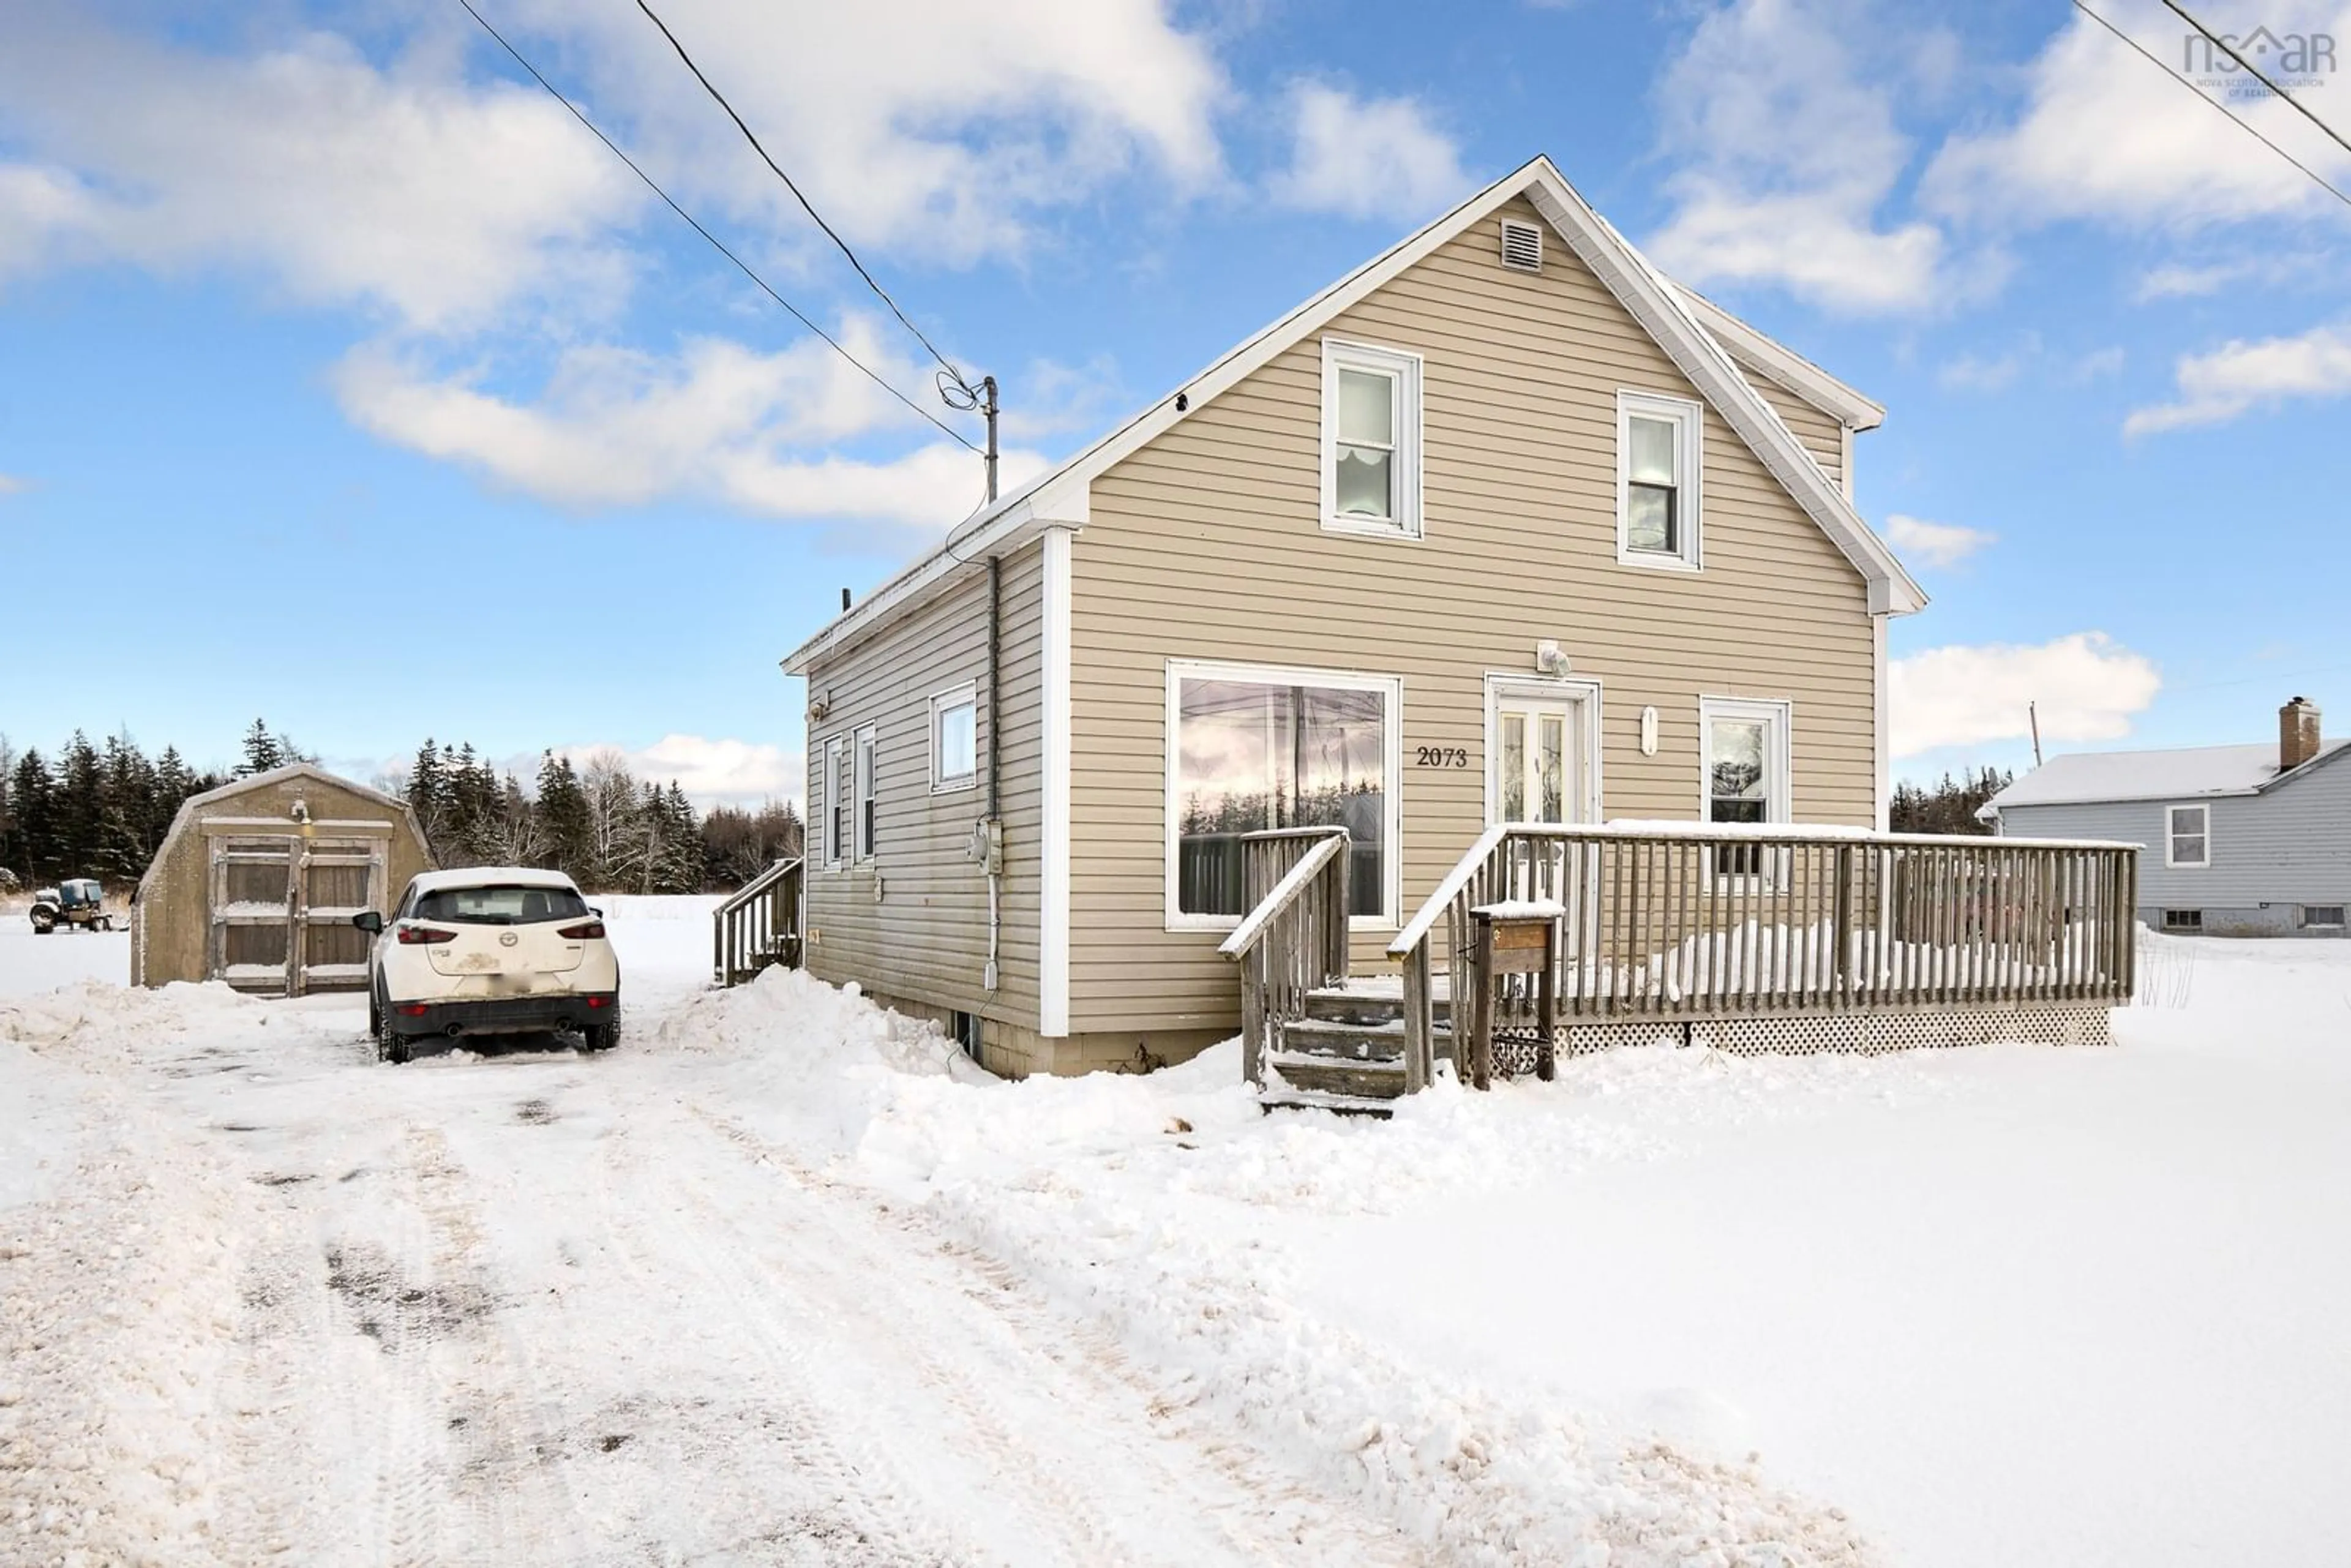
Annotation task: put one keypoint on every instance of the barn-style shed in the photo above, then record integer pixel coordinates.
(257, 882)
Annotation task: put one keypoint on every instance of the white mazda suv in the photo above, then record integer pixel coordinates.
(490, 950)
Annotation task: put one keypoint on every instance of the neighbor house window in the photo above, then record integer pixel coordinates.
(1745, 772)
(1656, 480)
(1255, 749)
(835, 824)
(863, 769)
(2321, 916)
(954, 739)
(1371, 439)
(2183, 920)
(2188, 837)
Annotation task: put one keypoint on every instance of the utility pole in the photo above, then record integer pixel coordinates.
(988, 407)
(2032, 716)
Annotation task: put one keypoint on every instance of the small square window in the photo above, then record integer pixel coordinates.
(1657, 480)
(2183, 920)
(955, 739)
(2188, 837)
(2321, 916)
(1371, 439)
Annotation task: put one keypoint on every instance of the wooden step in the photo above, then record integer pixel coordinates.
(1344, 1042)
(1314, 1099)
(1334, 1075)
(1335, 1006)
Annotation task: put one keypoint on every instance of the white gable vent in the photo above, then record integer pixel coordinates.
(1521, 246)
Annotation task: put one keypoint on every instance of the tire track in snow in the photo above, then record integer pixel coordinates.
(1031, 1391)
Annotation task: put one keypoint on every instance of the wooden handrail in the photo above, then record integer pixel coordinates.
(758, 924)
(1294, 938)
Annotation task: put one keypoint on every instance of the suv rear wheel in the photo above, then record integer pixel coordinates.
(390, 1044)
(601, 1036)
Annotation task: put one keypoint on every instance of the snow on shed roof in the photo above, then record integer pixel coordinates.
(2087, 777)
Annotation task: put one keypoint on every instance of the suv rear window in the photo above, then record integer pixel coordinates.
(501, 905)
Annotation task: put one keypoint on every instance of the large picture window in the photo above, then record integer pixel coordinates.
(1254, 749)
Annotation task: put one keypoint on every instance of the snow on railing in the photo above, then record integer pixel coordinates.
(1294, 937)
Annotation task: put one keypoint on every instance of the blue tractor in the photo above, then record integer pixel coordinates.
(74, 904)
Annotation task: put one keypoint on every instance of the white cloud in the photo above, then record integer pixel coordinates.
(718, 772)
(936, 123)
(1936, 544)
(2240, 376)
(1973, 372)
(718, 421)
(2086, 687)
(1791, 149)
(1366, 158)
(2107, 134)
(339, 181)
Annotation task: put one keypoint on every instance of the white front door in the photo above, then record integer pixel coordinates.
(1538, 762)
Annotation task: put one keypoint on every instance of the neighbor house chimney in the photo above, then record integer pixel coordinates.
(2297, 732)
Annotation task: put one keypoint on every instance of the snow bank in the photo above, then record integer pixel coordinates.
(1162, 1208)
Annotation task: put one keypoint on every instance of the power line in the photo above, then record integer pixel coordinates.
(2234, 117)
(2255, 72)
(806, 206)
(716, 243)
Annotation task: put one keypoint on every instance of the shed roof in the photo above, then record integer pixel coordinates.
(2090, 777)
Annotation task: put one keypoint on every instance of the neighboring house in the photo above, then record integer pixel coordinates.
(2239, 841)
(1504, 525)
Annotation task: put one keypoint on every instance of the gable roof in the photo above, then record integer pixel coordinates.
(2199, 772)
(251, 781)
(1667, 313)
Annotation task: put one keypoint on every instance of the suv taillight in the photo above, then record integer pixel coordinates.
(424, 936)
(583, 931)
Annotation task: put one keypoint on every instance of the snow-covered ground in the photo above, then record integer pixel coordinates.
(785, 1279)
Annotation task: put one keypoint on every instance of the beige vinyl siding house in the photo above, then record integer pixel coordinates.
(1460, 540)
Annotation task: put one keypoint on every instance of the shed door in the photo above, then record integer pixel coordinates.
(340, 878)
(253, 910)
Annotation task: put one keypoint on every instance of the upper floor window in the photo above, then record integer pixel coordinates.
(1656, 480)
(2188, 836)
(1371, 439)
(954, 739)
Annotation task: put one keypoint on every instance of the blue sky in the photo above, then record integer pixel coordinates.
(323, 321)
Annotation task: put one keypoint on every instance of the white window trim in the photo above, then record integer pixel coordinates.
(1780, 770)
(864, 790)
(954, 696)
(1391, 862)
(2171, 835)
(829, 824)
(1688, 462)
(1339, 353)
(1585, 694)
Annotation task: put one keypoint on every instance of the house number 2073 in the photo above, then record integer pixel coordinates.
(1440, 757)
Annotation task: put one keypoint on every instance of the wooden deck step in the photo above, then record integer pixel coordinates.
(1337, 1075)
(1344, 1042)
(1334, 1005)
(1315, 1100)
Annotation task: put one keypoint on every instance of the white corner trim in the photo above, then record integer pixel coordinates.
(1405, 367)
(1884, 744)
(1585, 693)
(1053, 873)
(1844, 461)
(1689, 463)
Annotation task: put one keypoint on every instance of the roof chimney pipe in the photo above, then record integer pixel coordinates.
(844, 602)
(2298, 733)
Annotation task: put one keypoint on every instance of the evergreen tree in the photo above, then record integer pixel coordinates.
(683, 866)
(1950, 807)
(263, 751)
(428, 797)
(80, 810)
(563, 821)
(127, 808)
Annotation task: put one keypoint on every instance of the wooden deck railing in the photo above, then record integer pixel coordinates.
(758, 924)
(1294, 937)
(1666, 922)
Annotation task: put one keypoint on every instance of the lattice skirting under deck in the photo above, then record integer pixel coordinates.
(1807, 1034)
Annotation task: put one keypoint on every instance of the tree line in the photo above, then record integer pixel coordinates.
(102, 809)
(1948, 807)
